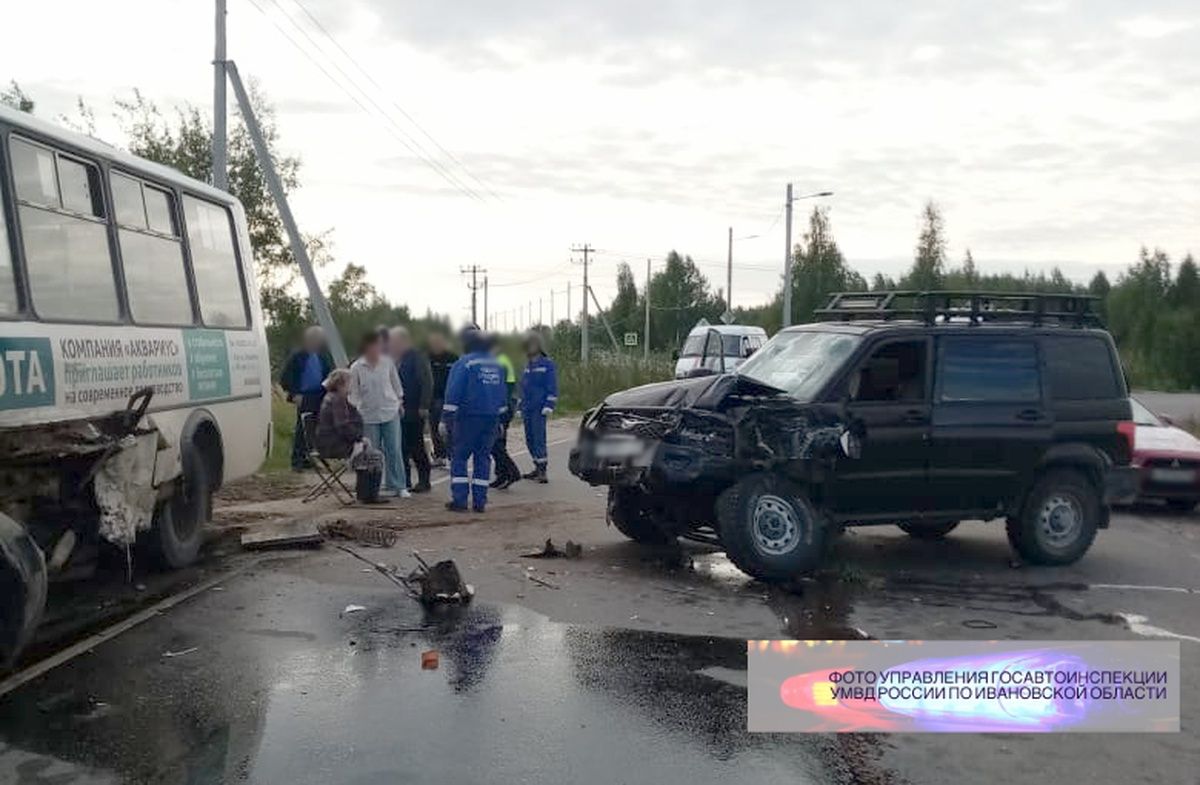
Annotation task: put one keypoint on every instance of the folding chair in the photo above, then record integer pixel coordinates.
(329, 470)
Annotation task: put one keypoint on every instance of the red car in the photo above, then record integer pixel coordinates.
(1167, 458)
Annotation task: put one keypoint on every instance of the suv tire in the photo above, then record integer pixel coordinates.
(628, 512)
(935, 530)
(1058, 520)
(769, 528)
(178, 530)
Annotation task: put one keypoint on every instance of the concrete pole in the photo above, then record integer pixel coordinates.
(646, 337)
(787, 262)
(299, 252)
(729, 275)
(220, 155)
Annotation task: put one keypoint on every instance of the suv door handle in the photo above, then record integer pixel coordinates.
(1029, 415)
(915, 416)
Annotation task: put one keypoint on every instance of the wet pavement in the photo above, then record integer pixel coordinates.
(627, 667)
(267, 680)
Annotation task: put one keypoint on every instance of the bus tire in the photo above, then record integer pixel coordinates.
(22, 589)
(178, 530)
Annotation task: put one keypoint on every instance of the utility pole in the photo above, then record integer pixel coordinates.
(787, 253)
(583, 350)
(570, 313)
(729, 275)
(485, 303)
(604, 319)
(551, 309)
(220, 158)
(299, 252)
(540, 322)
(474, 270)
(646, 337)
(787, 261)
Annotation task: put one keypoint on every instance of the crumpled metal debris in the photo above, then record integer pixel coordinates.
(125, 490)
(441, 583)
(362, 533)
(572, 550)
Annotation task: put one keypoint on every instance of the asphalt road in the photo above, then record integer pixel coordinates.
(626, 665)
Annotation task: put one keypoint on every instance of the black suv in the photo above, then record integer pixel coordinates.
(911, 408)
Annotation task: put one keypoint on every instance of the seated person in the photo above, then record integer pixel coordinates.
(339, 425)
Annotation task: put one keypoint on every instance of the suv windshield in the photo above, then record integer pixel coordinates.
(799, 363)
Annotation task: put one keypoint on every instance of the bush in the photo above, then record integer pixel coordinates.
(582, 387)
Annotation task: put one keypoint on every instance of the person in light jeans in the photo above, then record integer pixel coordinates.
(376, 392)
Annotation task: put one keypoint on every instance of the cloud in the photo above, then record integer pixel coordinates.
(1154, 27)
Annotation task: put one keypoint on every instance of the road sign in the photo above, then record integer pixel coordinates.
(631, 339)
(728, 317)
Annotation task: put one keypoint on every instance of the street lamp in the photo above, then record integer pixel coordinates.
(787, 254)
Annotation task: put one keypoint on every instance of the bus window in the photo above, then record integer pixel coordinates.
(214, 264)
(8, 287)
(152, 253)
(66, 253)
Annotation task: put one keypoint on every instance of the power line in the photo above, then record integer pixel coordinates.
(400, 138)
(399, 108)
(415, 146)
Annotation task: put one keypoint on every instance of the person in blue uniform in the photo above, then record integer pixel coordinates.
(476, 399)
(539, 396)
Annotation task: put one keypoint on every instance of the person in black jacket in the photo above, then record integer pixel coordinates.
(440, 359)
(417, 380)
(302, 378)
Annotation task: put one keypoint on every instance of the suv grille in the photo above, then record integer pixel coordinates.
(638, 425)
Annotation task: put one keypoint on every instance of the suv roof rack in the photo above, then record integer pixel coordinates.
(1032, 308)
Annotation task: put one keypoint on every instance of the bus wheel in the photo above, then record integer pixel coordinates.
(178, 529)
(22, 588)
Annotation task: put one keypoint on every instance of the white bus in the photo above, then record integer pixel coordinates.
(134, 374)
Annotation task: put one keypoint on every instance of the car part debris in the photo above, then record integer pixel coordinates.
(382, 569)
(572, 550)
(541, 581)
(362, 533)
(429, 660)
(180, 653)
(62, 551)
(353, 609)
(441, 583)
(288, 534)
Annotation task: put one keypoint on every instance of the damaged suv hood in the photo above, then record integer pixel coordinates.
(705, 392)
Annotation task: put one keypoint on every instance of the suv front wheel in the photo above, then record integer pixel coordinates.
(1059, 519)
(630, 512)
(769, 528)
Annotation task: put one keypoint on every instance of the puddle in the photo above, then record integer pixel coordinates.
(514, 695)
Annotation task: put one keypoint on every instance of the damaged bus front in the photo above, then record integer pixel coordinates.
(133, 361)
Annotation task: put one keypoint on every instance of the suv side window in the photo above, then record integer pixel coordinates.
(989, 369)
(1080, 368)
(895, 371)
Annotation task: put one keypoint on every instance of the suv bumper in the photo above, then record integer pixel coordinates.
(608, 460)
(1120, 485)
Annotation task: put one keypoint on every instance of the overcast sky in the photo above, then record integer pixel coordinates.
(1050, 131)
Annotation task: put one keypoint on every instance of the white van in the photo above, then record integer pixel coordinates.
(717, 348)
(134, 375)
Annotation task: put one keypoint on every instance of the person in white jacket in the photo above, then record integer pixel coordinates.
(376, 392)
